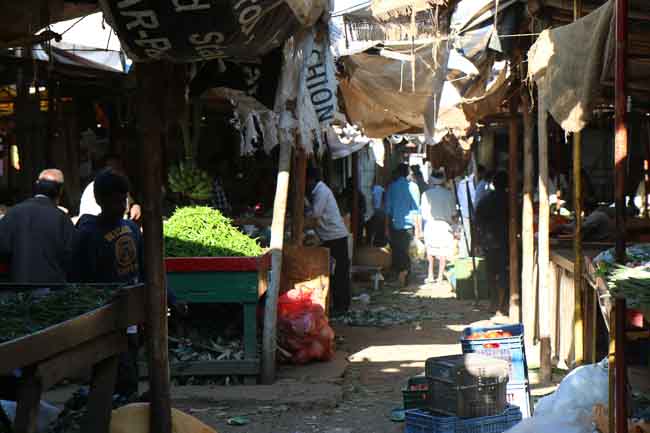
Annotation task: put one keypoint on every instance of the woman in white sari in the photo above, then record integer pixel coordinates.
(438, 209)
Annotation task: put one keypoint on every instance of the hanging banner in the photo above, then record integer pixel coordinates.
(320, 80)
(199, 30)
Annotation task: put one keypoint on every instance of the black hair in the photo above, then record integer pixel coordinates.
(501, 180)
(109, 182)
(48, 188)
(110, 157)
(480, 169)
(313, 173)
(402, 170)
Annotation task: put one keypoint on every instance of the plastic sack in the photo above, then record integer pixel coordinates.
(303, 329)
(556, 423)
(417, 250)
(578, 392)
(47, 414)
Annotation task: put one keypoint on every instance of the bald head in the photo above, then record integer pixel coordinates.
(51, 174)
(50, 184)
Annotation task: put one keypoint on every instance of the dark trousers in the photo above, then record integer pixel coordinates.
(127, 371)
(377, 229)
(341, 280)
(400, 241)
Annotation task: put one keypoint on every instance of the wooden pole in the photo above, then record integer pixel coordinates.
(269, 335)
(578, 327)
(620, 147)
(621, 372)
(298, 211)
(413, 36)
(528, 283)
(544, 248)
(150, 81)
(355, 199)
(513, 223)
(611, 362)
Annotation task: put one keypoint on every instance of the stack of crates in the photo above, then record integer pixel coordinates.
(416, 392)
(509, 348)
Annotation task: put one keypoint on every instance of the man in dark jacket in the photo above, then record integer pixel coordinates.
(38, 238)
(492, 221)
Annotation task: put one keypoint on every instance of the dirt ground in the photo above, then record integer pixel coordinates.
(363, 391)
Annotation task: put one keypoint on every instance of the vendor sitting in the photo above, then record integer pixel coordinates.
(596, 227)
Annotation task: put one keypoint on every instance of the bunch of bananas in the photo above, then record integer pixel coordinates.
(190, 181)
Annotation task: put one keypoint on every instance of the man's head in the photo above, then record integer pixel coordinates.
(402, 170)
(111, 189)
(501, 181)
(313, 177)
(50, 184)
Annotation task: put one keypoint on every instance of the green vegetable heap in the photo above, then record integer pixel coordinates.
(23, 313)
(190, 181)
(200, 231)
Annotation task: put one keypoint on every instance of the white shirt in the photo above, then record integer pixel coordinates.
(438, 204)
(325, 209)
(88, 205)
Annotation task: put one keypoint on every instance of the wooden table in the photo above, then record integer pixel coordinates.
(49, 356)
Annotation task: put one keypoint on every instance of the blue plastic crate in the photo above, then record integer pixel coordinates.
(418, 421)
(518, 394)
(509, 349)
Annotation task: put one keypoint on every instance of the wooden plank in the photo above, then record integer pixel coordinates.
(528, 281)
(244, 367)
(620, 368)
(562, 261)
(567, 299)
(49, 342)
(100, 399)
(29, 401)
(543, 250)
(152, 82)
(269, 337)
(299, 185)
(554, 287)
(66, 364)
(513, 223)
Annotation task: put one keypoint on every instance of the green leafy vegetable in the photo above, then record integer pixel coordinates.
(201, 231)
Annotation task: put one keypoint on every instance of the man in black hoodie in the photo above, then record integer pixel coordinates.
(37, 237)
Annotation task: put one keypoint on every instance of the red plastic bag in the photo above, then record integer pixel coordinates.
(303, 328)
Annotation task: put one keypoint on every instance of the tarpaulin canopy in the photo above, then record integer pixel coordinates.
(199, 30)
(384, 10)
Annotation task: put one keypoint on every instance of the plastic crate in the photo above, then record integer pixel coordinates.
(509, 349)
(418, 421)
(416, 393)
(518, 394)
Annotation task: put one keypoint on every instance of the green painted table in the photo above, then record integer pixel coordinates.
(214, 280)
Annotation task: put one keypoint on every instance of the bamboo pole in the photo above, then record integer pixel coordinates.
(544, 248)
(528, 283)
(620, 368)
(513, 223)
(620, 147)
(355, 200)
(269, 335)
(299, 183)
(578, 327)
(150, 81)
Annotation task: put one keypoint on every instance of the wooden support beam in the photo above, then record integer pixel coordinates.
(29, 402)
(150, 81)
(513, 223)
(578, 327)
(528, 283)
(355, 200)
(100, 399)
(269, 343)
(620, 124)
(620, 368)
(544, 248)
(611, 362)
(299, 183)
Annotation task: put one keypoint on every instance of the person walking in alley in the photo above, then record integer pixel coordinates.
(377, 223)
(37, 237)
(438, 213)
(492, 222)
(325, 217)
(402, 208)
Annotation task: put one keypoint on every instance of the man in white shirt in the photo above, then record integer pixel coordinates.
(326, 219)
(89, 206)
(377, 223)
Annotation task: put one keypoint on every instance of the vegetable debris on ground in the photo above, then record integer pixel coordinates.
(200, 231)
(24, 313)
